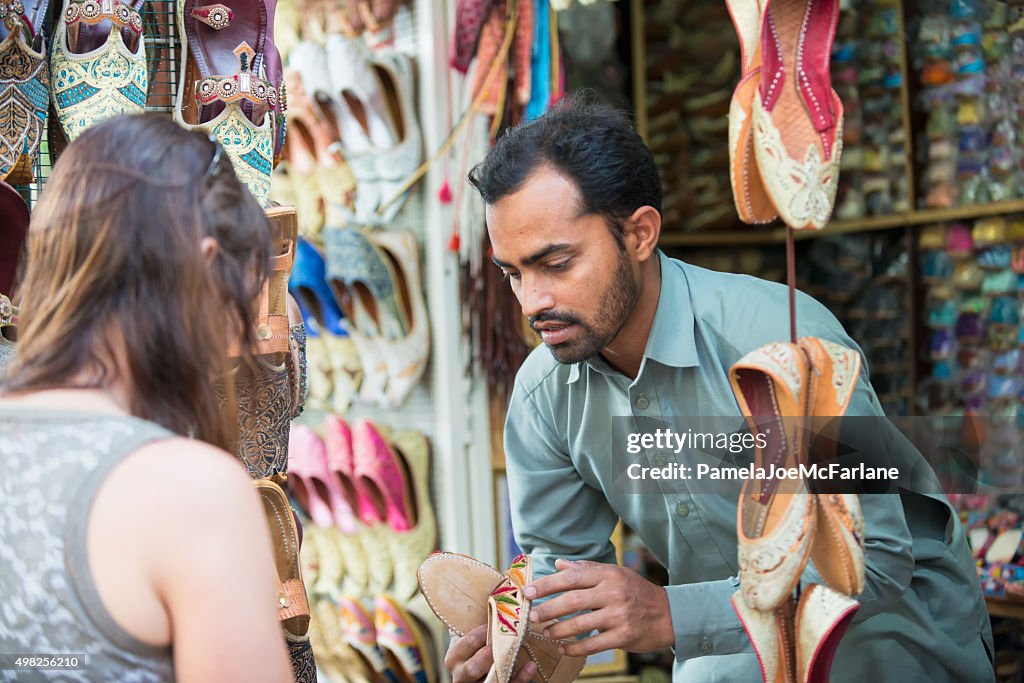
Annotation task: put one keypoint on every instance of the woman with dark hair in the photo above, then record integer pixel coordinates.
(127, 533)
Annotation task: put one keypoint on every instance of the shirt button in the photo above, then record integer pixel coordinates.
(705, 646)
(682, 509)
(642, 403)
(660, 461)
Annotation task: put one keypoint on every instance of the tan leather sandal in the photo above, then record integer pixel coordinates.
(465, 593)
(292, 604)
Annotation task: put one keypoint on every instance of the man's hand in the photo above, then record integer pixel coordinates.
(469, 659)
(628, 612)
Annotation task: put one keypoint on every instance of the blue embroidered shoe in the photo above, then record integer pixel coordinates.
(363, 276)
(24, 94)
(250, 146)
(308, 285)
(97, 77)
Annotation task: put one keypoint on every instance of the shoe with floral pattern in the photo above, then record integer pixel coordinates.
(98, 64)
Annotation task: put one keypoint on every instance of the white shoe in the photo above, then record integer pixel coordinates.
(396, 164)
(406, 357)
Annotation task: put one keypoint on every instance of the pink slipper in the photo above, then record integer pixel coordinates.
(798, 117)
(384, 476)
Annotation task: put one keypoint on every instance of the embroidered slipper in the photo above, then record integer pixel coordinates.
(838, 547)
(410, 548)
(98, 63)
(7, 319)
(772, 635)
(12, 236)
(360, 633)
(406, 357)
(383, 476)
(821, 621)
(397, 163)
(752, 202)
(24, 89)
(776, 518)
(403, 642)
(457, 589)
(369, 535)
(798, 117)
(359, 273)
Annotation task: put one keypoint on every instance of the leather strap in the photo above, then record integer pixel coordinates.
(291, 599)
(242, 86)
(96, 11)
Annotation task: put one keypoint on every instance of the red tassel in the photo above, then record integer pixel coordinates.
(454, 242)
(445, 193)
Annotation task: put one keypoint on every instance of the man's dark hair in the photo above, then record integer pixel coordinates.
(592, 144)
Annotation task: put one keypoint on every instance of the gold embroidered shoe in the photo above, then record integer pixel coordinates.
(798, 117)
(24, 92)
(776, 515)
(838, 548)
(222, 89)
(98, 64)
(250, 146)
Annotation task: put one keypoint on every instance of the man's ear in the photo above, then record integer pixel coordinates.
(645, 229)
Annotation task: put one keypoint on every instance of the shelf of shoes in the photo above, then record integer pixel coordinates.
(972, 275)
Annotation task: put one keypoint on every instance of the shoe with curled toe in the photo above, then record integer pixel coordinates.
(838, 546)
(465, 593)
(776, 517)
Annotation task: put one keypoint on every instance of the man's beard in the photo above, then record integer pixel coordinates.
(616, 304)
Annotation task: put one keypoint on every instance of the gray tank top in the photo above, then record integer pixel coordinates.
(51, 465)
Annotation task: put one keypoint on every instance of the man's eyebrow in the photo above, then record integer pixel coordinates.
(530, 260)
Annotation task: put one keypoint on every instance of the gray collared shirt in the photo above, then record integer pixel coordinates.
(922, 615)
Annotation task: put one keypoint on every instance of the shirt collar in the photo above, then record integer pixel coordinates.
(671, 342)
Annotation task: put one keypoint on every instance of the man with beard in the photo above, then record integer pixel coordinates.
(573, 207)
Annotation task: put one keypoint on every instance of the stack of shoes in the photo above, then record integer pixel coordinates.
(690, 71)
(785, 131)
(864, 280)
(973, 307)
(366, 491)
(969, 73)
(781, 526)
(369, 339)
(356, 136)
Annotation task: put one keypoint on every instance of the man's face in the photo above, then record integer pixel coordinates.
(574, 282)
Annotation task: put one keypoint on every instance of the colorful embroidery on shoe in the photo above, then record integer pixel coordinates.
(509, 607)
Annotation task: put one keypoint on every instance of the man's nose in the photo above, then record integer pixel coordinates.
(536, 298)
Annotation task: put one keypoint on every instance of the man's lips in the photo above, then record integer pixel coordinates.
(556, 333)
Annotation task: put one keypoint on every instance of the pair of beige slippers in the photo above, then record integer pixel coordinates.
(792, 394)
(465, 594)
